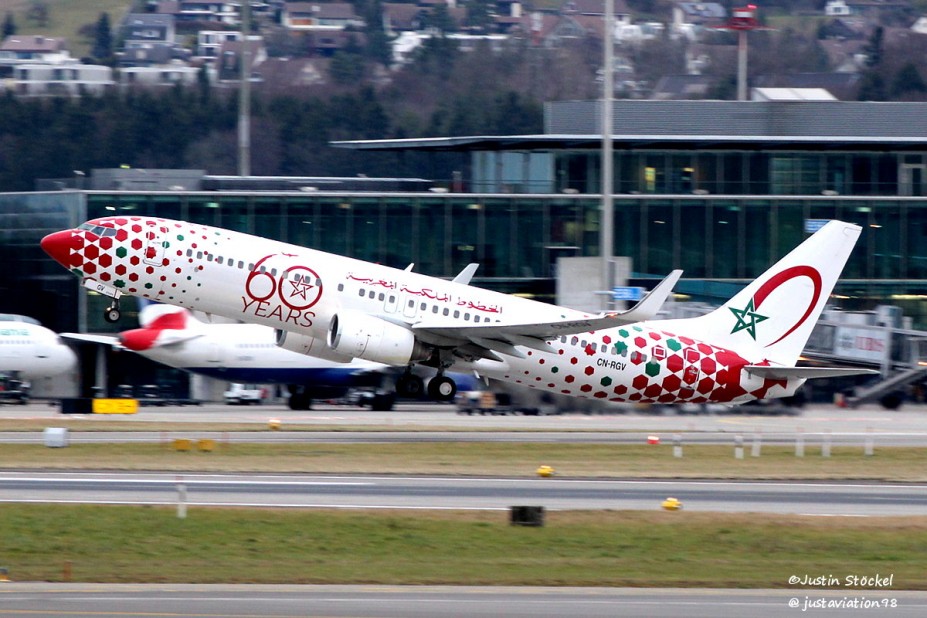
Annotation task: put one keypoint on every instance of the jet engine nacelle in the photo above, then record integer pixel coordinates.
(359, 335)
(310, 346)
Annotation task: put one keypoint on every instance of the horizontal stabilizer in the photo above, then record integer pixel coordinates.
(785, 373)
(101, 339)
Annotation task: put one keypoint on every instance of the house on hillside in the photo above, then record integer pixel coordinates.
(150, 40)
(71, 78)
(209, 42)
(32, 49)
(172, 74)
(140, 29)
(315, 16)
(202, 11)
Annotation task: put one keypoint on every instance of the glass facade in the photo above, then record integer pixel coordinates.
(748, 172)
(516, 239)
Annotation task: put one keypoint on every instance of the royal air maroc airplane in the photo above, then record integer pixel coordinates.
(29, 351)
(246, 353)
(340, 308)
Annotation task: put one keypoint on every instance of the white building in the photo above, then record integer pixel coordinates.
(57, 79)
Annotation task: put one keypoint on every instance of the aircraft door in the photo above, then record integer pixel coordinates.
(408, 306)
(391, 305)
(154, 247)
(691, 373)
(214, 356)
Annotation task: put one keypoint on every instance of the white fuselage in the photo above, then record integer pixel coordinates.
(300, 290)
(33, 352)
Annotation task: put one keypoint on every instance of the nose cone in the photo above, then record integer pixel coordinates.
(58, 246)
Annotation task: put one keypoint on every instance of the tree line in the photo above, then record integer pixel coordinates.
(190, 127)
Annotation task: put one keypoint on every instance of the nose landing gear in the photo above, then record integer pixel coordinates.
(112, 313)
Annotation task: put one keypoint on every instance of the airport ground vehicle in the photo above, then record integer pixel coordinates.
(13, 390)
(244, 394)
(498, 404)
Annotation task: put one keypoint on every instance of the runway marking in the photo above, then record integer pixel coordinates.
(189, 503)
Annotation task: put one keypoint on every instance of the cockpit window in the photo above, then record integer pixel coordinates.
(97, 230)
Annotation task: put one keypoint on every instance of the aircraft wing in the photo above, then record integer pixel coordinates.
(101, 339)
(784, 373)
(503, 337)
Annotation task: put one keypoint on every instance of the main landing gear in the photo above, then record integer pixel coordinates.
(440, 388)
(112, 313)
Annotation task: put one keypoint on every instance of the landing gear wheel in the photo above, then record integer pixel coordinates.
(299, 401)
(410, 386)
(112, 314)
(442, 388)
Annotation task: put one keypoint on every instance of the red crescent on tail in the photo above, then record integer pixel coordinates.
(786, 275)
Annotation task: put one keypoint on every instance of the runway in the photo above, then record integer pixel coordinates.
(394, 492)
(251, 601)
(440, 423)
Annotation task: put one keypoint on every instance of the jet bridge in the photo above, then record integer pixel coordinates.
(900, 354)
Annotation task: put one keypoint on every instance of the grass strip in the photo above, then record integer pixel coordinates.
(573, 548)
(901, 464)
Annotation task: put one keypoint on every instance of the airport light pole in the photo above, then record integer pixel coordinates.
(606, 225)
(244, 94)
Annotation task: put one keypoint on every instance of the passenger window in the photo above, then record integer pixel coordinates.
(372, 295)
(341, 287)
(456, 314)
(361, 292)
(447, 311)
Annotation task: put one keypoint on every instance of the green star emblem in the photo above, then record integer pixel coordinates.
(747, 319)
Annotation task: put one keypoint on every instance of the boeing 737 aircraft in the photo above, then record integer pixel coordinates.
(30, 351)
(340, 308)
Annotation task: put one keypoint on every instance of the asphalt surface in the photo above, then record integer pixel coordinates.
(396, 492)
(41, 600)
(907, 426)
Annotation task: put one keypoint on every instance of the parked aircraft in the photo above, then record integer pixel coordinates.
(30, 351)
(246, 353)
(340, 308)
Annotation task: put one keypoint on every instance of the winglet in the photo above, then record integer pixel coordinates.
(466, 274)
(647, 307)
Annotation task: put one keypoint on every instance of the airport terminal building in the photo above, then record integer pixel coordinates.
(719, 189)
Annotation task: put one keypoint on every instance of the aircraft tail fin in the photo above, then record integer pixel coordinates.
(774, 315)
(161, 325)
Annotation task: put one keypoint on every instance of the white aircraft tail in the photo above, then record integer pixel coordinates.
(772, 318)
